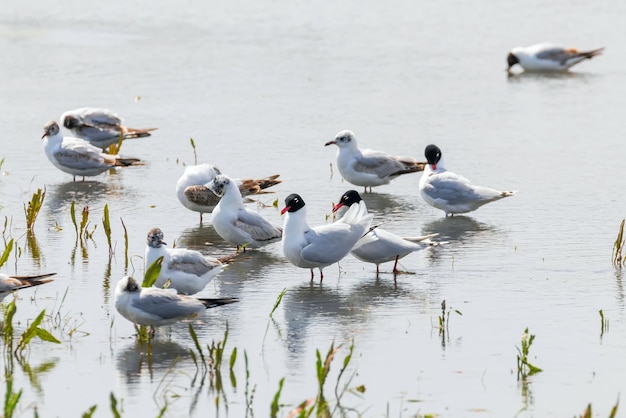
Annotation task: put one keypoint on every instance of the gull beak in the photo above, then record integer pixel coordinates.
(337, 206)
(285, 209)
(333, 142)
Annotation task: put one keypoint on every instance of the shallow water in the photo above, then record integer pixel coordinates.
(260, 87)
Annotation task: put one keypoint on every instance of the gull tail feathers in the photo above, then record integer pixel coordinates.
(425, 239)
(35, 277)
(590, 54)
(251, 186)
(125, 162)
(215, 302)
(138, 133)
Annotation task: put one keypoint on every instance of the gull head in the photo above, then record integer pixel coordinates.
(219, 185)
(50, 129)
(343, 139)
(70, 122)
(433, 155)
(511, 60)
(155, 238)
(128, 284)
(347, 199)
(293, 203)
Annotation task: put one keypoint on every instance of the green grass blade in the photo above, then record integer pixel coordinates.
(152, 273)
(6, 253)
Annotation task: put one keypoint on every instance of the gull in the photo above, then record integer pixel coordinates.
(193, 193)
(378, 246)
(452, 192)
(369, 168)
(188, 271)
(77, 156)
(156, 307)
(9, 284)
(101, 127)
(234, 222)
(548, 57)
(322, 245)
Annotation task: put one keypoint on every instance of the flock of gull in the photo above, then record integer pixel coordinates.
(204, 189)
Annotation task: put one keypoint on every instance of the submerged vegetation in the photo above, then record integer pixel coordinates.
(618, 246)
(524, 367)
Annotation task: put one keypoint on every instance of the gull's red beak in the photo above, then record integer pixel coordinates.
(337, 206)
(433, 166)
(285, 209)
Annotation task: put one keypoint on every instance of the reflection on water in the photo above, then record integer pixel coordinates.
(89, 192)
(458, 228)
(548, 77)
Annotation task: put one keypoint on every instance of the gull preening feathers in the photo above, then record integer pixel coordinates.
(369, 168)
(452, 192)
(320, 246)
(77, 156)
(193, 193)
(234, 222)
(379, 246)
(156, 307)
(100, 127)
(10, 284)
(548, 57)
(188, 271)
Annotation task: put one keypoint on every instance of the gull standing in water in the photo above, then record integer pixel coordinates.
(322, 245)
(189, 271)
(369, 168)
(193, 193)
(156, 307)
(100, 127)
(548, 57)
(10, 284)
(77, 156)
(451, 192)
(378, 246)
(234, 222)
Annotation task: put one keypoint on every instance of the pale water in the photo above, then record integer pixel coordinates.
(260, 87)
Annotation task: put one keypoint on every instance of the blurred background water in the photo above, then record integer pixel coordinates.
(260, 87)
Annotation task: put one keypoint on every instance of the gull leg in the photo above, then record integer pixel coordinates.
(395, 266)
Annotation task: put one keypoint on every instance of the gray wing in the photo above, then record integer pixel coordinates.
(191, 262)
(100, 117)
(329, 243)
(81, 158)
(257, 226)
(556, 53)
(456, 189)
(377, 162)
(164, 303)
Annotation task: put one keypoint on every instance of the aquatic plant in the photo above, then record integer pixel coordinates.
(34, 330)
(618, 246)
(604, 323)
(195, 156)
(114, 411)
(275, 406)
(444, 318)
(152, 273)
(89, 412)
(524, 367)
(114, 149)
(125, 245)
(34, 206)
(106, 224)
(589, 414)
(10, 399)
(7, 251)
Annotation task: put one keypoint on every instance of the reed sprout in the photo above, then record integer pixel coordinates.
(31, 210)
(524, 367)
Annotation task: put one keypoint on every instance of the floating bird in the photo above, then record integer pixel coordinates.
(188, 271)
(548, 57)
(100, 127)
(234, 222)
(452, 192)
(378, 246)
(156, 307)
(77, 156)
(322, 245)
(9, 284)
(193, 193)
(369, 168)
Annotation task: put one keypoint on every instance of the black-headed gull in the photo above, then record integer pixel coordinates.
(10, 284)
(548, 57)
(77, 156)
(156, 307)
(451, 192)
(189, 271)
(378, 245)
(234, 222)
(369, 168)
(322, 245)
(193, 194)
(100, 127)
